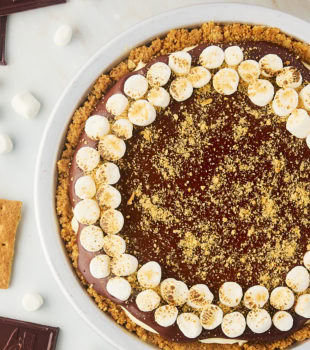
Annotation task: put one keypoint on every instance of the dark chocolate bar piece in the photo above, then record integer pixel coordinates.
(12, 6)
(2, 39)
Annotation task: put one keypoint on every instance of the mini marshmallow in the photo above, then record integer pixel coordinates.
(32, 301)
(230, 294)
(114, 245)
(212, 57)
(91, 238)
(111, 147)
(136, 86)
(26, 105)
(283, 321)
(85, 187)
(307, 260)
(270, 65)
(282, 298)
(124, 265)
(99, 266)
(87, 211)
(166, 315)
(181, 89)
(117, 104)
(87, 158)
(119, 288)
(199, 296)
(233, 324)
(74, 224)
(108, 173)
(305, 97)
(298, 123)
(233, 55)
(123, 128)
(97, 126)
(158, 97)
(141, 113)
(284, 102)
(149, 275)
(108, 197)
(112, 221)
(289, 77)
(174, 292)
(256, 297)
(226, 81)
(148, 300)
(189, 325)
(63, 35)
(199, 76)
(249, 70)
(261, 92)
(211, 317)
(158, 74)
(180, 62)
(302, 307)
(258, 320)
(6, 144)
(298, 279)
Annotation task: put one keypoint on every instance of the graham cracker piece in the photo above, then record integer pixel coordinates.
(10, 214)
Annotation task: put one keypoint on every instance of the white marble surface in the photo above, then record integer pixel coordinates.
(36, 64)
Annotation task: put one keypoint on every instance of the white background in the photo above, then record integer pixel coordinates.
(36, 64)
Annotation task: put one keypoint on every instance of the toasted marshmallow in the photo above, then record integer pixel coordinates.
(189, 325)
(123, 128)
(233, 55)
(199, 76)
(282, 298)
(117, 104)
(258, 320)
(112, 221)
(166, 315)
(136, 86)
(298, 279)
(108, 197)
(108, 173)
(283, 321)
(85, 187)
(270, 65)
(284, 102)
(141, 113)
(148, 300)
(74, 224)
(87, 158)
(256, 297)
(226, 81)
(305, 97)
(119, 288)
(289, 77)
(261, 92)
(211, 317)
(211, 57)
(32, 301)
(307, 260)
(99, 266)
(302, 307)
(158, 97)
(26, 105)
(111, 147)
(87, 211)
(6, 144)
(249, 70)
(124, 265)
(230, 294)
(91, 238)
(174, 292)
(180, 62)
(233, 324)
(114, 245)
(63, 35)
(158, 74)
(97, 126)
(181, 89)
(199, 296)
(298, 123)
(149, 275)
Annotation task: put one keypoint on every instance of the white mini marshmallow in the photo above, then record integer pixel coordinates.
(233, 55)
(230, 294)
(108, 197)
(124, 265)
(119, 288)
(256, 297)
(298, 279)
(117, 104)
(114, 245)
(199, 76)
(226, 81)
(99, 266)
(259, 320)
(189, 325)
(141, 113)
(87, 211)
(147, 300)
(181, 89)
(174, 292)
(211, 57)
(108, 173)
(284, 102)
(97, 126)
(211, 317)
(307, 260)
(63, 35)
(112, 221)
(249, 70)
(289, 77)
(298, 123)
(111, 147)
(199, 296)
(85, 187)
(158, 97)
(158, 74)
(123, 128)
(305, 97)
(270, 65)
(302, 307)
(87, 158)
(282, 298)
(166, 315)
(74, 224)
(136, 86)
(180, 62)
(32, 301)
(6, 144)
(283, 321)
(149, 275)
(261, 92)
(91, 238)
(233, 324)
(26, 105)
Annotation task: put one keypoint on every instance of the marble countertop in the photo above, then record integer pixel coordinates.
(36, 64)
